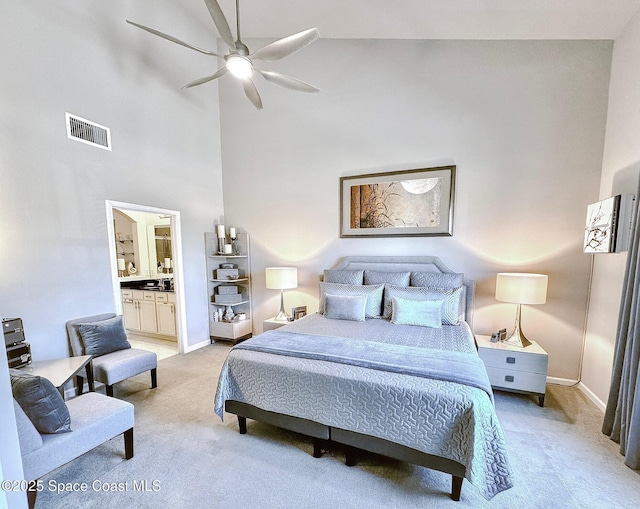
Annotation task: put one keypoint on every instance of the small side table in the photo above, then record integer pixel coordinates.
(61, 371)
(272, 324)
(515, 369)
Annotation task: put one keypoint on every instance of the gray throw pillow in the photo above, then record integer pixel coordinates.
(41, 401)
(372, 292)
(345, 277)
(345, 307)
(437, 279)
(376, 277)
(103, 337)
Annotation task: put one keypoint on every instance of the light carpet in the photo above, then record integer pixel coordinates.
(185, 457)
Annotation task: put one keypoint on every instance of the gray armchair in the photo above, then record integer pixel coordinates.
(112, 367)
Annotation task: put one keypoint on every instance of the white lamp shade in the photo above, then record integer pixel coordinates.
(281, 278)
(521, 288)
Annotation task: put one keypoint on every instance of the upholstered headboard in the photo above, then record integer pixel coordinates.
(410, 264)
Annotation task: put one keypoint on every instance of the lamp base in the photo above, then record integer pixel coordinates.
(282, 315)
(516, 337)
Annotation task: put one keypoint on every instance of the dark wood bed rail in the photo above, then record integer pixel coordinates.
(354, 442)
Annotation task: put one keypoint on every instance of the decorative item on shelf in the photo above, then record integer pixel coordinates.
(121, 267)
(281, 278)
(132, 268)
(520, 288)
(228, 314)
(222, 238)
(234, 241)
(227, 273)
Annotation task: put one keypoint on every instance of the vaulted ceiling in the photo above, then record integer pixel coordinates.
(434, 19)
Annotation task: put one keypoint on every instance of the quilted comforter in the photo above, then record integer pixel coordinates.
(439, 417)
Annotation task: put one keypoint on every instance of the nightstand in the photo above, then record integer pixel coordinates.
(515, 369)
(271, 324)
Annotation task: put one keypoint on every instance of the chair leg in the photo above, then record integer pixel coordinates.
(79, 385)
(109, 390)
(31, 496)
(128, 444)
(154, 378)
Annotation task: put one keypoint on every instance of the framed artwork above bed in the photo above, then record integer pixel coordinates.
(402, 203)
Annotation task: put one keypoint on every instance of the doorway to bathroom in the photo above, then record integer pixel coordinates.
(147, 275)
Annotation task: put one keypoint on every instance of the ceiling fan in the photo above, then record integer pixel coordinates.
(240, 61)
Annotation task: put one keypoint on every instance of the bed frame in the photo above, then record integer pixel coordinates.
(355, 442)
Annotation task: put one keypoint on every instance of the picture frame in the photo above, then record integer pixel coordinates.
(608, 225)
(403, 203)
(298, 312)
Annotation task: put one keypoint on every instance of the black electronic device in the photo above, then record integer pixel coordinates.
(18, 350)
(13, 331)
(19, 355)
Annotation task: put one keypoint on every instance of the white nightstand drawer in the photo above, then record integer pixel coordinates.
(509, 359)
(517, 380)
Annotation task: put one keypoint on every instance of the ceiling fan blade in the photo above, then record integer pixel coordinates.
(221, 22)
(285, 81)
(174, 39)
(206, 79)
(252, 93)
(287, 45)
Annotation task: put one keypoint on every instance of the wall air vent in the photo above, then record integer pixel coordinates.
(83, 130)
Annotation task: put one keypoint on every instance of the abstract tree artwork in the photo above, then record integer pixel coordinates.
(600, 229)
(402, 203)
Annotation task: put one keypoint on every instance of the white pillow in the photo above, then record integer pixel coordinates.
(427, 313)
(345, 307)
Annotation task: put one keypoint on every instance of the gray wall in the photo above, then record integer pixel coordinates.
(523, 121)
(83, 58)
(620, 170)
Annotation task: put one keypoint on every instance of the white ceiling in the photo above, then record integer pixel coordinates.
(434, 19)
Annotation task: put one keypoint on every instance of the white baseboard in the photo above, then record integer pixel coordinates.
(567, 382)
(583, 388)
(592, 397)
(191, 348)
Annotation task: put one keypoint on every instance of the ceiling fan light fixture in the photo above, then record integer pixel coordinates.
(239, 66)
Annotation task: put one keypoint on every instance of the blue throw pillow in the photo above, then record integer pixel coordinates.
(103, 337)
(345, 307)
(41, 401)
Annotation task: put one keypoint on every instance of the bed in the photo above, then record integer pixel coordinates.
(387, 365)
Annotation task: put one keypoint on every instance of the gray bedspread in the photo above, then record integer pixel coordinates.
(443, 418)
(446, 365)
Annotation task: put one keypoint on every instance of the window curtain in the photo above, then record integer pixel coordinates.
(622, 415)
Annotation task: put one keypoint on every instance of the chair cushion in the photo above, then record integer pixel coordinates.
(104, 336)
(117, 366)
(41, 401)
(96, 419)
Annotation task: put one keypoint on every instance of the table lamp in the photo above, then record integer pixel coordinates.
(281, 278)
(520, 288)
